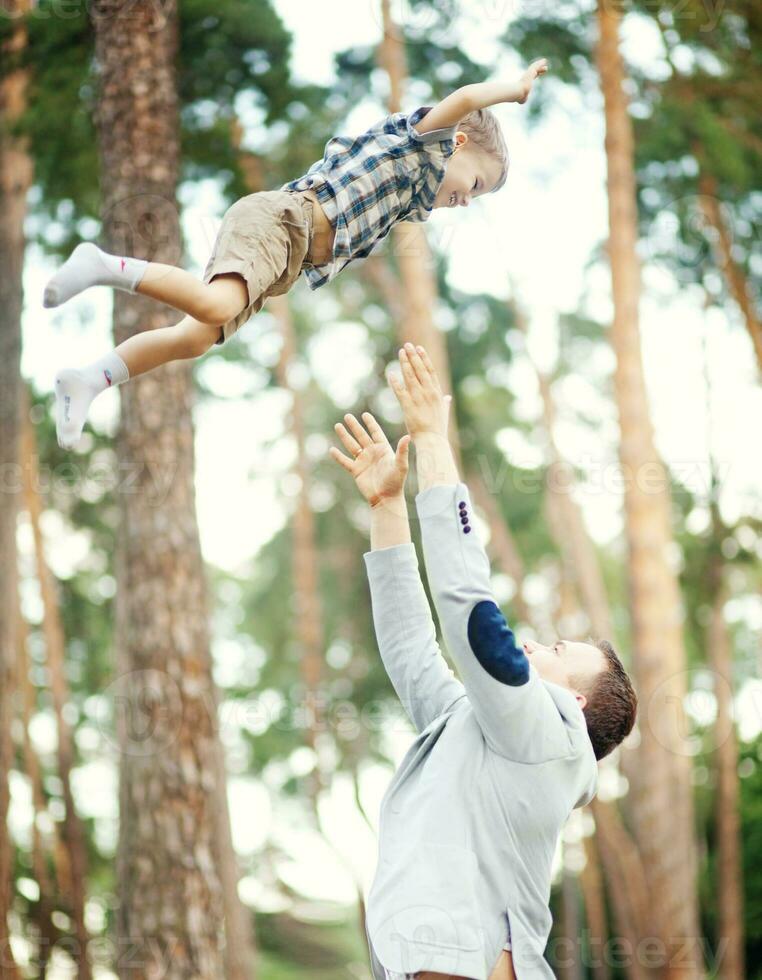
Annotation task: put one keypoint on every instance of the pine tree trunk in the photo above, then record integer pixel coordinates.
(409, 243)
(170, 919)
(46, 904)
(729, 881)
(304, 554)
(591, 883)
(15, 180)
(73, 832)
(731, 270)
(664, 818)
(626, 885)
(568, 961)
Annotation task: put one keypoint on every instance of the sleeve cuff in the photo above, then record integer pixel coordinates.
(443, 498)
(434, 136)
(397, 554)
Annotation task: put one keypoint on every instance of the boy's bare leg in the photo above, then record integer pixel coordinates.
(151, 348)
(77, 388)
(88, 265)
(215, 302)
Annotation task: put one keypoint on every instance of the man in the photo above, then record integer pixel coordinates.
(470, 822)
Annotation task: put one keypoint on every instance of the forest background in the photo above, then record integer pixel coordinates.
(195, 727)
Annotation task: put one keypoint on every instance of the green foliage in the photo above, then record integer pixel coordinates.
(290, 947)
(698, 131)
(226, 50)
(234, 64)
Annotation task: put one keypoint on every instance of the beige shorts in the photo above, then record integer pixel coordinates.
(264, 238)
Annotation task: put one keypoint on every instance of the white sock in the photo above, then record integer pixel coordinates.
(76, 389)
(90, 266)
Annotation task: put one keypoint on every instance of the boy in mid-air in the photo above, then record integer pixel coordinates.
(399, 170)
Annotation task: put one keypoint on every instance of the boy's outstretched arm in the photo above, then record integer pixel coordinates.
(480, 95)
(517, 715)
(404, 626)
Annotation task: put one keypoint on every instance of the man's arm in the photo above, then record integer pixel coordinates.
(517, 715)
(401, 615)
(480, 95)
(404, 626)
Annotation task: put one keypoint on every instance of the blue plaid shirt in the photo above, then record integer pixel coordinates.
(367, 183)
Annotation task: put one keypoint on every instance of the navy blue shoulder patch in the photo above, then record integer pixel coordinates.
(494, 645)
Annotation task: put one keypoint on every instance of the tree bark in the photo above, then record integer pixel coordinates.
(31, 762)
(731, 270)
(73, 831)
(170, 920)
(591, 883)
(15, 180)
(627, 887)
(304, 553)
(664, 818)
(729, 881)
(410, 246)
(569, 961)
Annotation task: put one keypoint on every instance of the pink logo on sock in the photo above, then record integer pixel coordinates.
(123, 264)
(109, 379)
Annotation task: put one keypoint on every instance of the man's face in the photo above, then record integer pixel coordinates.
(567, 663)
(470, 173)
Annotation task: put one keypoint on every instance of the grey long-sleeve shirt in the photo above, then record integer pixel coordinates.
(470, 821)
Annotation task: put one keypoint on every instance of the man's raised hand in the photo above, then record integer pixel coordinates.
(378, 471)
(419, 393)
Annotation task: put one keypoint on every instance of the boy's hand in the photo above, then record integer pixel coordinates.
(520, 91)
(419, 393)
(378, 471)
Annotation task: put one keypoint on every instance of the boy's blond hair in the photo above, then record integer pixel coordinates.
(483, 130)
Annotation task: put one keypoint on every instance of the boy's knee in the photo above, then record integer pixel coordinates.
(213, 312)
(199, 337)
(217, 308)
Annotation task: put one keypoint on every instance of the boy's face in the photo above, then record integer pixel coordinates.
(567, 663)
(470, 173)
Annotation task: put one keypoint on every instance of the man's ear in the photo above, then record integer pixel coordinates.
(461, 139)
(581, 699)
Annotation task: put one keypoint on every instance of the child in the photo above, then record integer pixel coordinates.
(399, 170)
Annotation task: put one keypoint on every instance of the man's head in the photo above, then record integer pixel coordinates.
(478, 165)
(595, 675)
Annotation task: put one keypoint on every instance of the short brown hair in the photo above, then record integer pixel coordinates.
(611, 704)
(483, 130)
